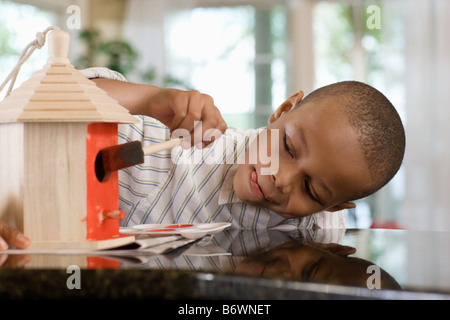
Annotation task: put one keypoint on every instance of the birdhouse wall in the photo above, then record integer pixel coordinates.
(54, 186)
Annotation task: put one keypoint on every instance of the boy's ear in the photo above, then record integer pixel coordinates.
(342, 206)
(286, 106)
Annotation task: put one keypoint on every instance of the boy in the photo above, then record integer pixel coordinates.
(341, 143)
(314, 262)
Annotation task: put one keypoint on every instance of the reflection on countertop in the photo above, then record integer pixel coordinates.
(240, 264)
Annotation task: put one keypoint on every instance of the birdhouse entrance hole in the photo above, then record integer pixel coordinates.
(100, 171)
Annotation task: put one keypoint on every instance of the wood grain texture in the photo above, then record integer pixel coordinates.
(55, 181)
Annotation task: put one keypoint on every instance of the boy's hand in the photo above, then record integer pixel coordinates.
(179, 109)
(9, 235)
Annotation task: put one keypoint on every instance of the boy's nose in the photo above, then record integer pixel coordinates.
(286, 178)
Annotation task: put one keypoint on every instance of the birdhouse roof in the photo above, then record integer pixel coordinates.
(60, 93)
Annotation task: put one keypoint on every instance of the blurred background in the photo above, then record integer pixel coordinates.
(251, 55)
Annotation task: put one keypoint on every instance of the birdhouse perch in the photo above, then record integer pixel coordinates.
(52, 129)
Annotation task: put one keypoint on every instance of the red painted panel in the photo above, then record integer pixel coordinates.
(101, 195)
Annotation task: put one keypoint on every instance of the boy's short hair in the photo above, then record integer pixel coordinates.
(379, 127)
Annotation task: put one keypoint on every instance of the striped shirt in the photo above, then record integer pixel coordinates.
(194, 185)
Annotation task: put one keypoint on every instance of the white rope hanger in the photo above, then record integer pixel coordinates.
(37, 43)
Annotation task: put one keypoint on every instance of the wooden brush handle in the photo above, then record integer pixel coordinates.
(169, 144)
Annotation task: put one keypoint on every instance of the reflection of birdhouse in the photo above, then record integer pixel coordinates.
(51, 131)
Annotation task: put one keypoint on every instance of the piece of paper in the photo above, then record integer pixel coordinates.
(147, 246)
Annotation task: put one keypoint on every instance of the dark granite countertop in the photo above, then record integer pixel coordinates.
(241, 265)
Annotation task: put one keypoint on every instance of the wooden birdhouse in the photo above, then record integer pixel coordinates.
(51, 131)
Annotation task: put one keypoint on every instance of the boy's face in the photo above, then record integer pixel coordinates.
(310, 262)
(315, 262)
(320, 167)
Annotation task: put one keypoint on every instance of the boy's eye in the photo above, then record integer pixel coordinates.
(308, 191)
(287, 146)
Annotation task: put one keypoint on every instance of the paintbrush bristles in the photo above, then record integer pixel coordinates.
(118, 157)
(127, 155)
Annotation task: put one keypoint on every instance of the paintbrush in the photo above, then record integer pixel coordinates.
(126, 155)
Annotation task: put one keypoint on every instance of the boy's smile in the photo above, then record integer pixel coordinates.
(255, 187)
(321, 165)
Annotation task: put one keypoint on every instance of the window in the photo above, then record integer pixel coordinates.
(235, 54)
(18, 26)
(346, 48)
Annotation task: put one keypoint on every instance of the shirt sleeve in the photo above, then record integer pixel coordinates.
(100, 72)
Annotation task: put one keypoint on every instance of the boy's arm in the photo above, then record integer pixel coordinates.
(177, 109)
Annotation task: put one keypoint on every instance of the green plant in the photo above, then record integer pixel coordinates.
(117, 55)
